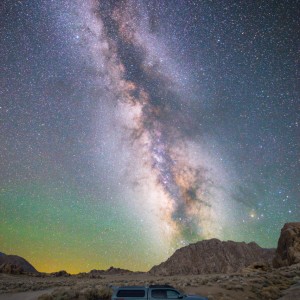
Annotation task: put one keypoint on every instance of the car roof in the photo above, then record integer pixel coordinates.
(132, 287)
(153, 286)
(161, 286)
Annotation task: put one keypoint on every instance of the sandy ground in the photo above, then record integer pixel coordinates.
(32, 295)
(249, 284)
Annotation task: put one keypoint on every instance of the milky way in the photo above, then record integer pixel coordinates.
(132, 128)
(187, 201)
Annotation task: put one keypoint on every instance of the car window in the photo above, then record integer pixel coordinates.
(159, 294)
(131, 293)
(164, 294)
(171, 294)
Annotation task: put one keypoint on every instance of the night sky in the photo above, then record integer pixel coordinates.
(129, 129)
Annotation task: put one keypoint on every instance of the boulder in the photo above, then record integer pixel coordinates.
(62, 273)
(8, 268)
(257, 267)
(288, 249)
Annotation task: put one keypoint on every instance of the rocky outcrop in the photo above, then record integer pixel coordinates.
(213, 256)
(114, 271)
(292, 293)
(257, 266)
(13, 264)
(11, 269)
(62, 273)
(288, 249)
(110, 271)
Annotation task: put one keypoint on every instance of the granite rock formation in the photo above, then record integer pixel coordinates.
(288, 249)
(11, 269)
(13, 264)
(213, 256)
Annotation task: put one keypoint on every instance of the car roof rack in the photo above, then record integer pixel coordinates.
(161, 286)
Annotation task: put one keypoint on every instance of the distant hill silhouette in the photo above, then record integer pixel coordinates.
(110, 271)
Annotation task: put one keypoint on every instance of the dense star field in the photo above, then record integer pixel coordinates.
(132, 128)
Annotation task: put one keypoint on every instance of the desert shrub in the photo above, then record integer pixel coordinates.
(95, 293)
(105, 293)
(45, 297)
(90, 294)
(60, 294)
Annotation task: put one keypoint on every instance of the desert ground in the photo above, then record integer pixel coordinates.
(250, 283)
